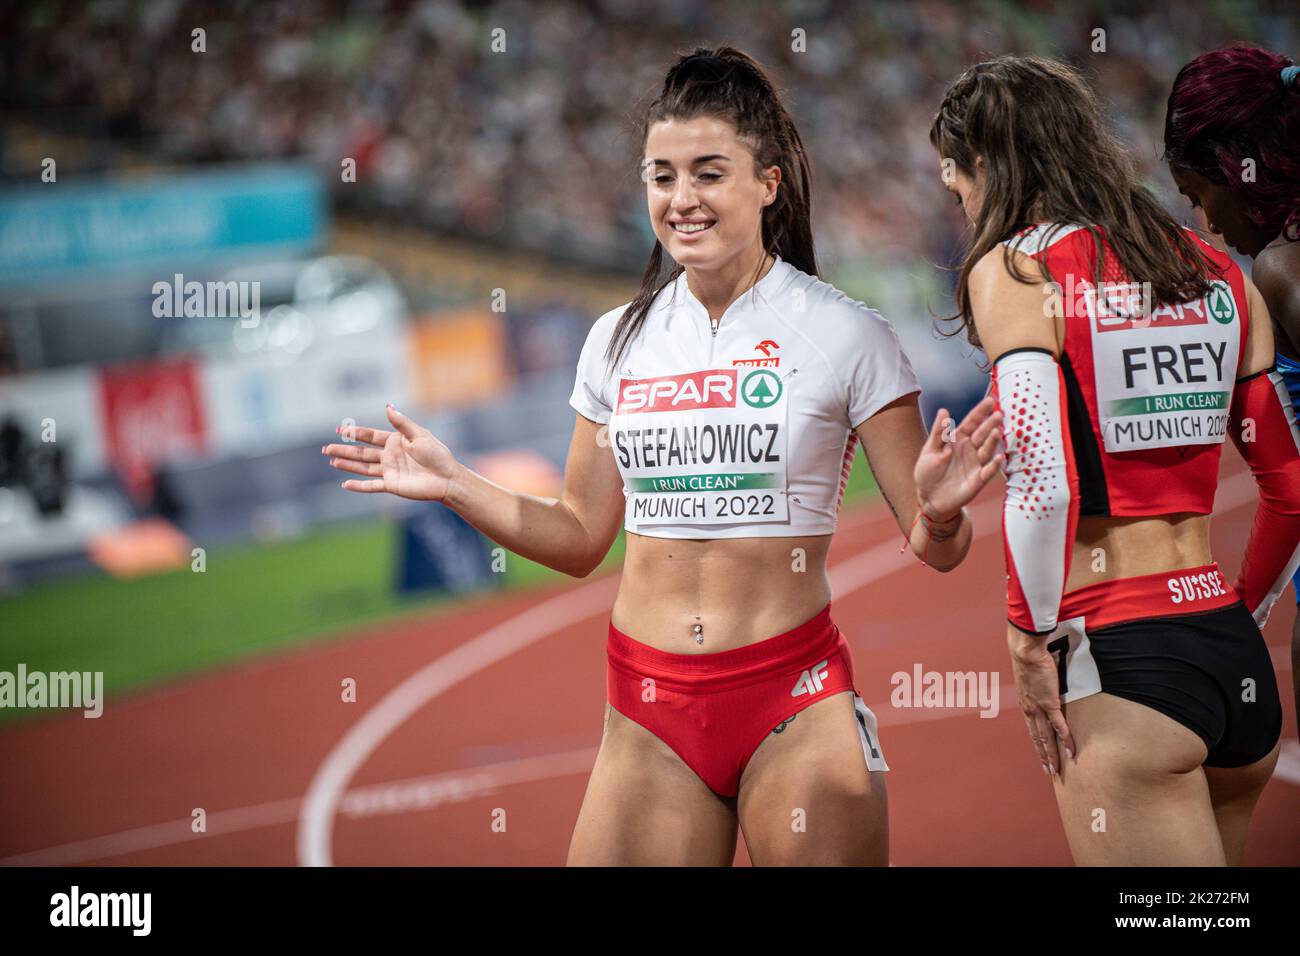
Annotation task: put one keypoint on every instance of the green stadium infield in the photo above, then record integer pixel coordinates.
(253, 599)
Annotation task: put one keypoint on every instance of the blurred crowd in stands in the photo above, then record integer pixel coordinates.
(532, 146)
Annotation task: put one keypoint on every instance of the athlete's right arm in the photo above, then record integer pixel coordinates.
(1275, 275)
(1040, 509)
(1263, 427)
(572, 533)
(1041, 504)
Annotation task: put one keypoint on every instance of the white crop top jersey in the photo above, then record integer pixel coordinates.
(750, 432)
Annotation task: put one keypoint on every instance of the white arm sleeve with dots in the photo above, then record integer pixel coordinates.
(1041, 507)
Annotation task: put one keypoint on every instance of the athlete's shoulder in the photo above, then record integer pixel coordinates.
(1222, 261)
(1008, 307)
(865, 356)
(602, 330)
(828, 314)
(608, 321)
(995, 274)
(1276, 274)
(1203, 243)
(1042, 237)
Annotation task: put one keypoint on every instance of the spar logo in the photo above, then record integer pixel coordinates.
(1126, 305)
(710, 388)
(761, 388)
(1220, 303)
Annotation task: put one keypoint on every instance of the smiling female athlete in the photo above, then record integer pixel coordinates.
(719, 413)
(1234, 111)
(1124, 350)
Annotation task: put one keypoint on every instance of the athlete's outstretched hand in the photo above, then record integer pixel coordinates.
(408, 462)
(953, 467)
(1040, 698)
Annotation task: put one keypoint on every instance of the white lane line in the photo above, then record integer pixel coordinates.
(397, 796)
(278, 811)
(887, 715)
(426, 793)
(477, 654)
(430, 792)
(846, 576)
(158, 834)
(400, 796)
(324, 792)
(882, 559)
(316, 821)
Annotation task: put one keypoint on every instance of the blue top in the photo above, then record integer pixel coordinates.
(1289, 369)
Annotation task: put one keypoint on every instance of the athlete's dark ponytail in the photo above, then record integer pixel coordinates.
(729, 85)
(1235, 105)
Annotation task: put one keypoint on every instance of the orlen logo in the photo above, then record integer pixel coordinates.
(767, 361)
(711, 388)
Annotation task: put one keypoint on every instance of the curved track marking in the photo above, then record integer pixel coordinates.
(315, 824)
(327, 786)
(426, 792)
(394, 796)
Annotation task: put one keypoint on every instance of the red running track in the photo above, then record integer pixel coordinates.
(285, 772)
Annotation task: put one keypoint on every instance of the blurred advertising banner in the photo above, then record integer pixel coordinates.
(440, 551)
(82, 230)
(151, 412)
(275, 403)
(458, 358)
(134, 416)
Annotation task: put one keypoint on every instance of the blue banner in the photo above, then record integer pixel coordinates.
(72, 230)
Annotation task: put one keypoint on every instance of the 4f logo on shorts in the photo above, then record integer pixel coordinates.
(810, 681)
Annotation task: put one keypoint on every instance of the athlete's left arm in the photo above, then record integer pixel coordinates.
(1040, 510)
(1275, 274)
(1262, 423)
(927, 479)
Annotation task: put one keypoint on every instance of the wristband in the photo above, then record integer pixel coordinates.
(930, 522)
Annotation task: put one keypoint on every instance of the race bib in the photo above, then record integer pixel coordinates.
(705, 447)
(1163, 379)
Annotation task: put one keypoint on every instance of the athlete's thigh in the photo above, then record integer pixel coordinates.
(645, 807)
(1135, 793)
(1234, 791)
(807, 798)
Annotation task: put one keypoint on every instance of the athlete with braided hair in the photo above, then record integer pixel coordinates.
(1232, 141)
(1125, 349)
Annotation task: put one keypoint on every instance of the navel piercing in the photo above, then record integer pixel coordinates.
(699, 633)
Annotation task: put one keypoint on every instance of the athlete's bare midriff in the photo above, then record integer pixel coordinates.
(745, 590)
(1108, 548)
(740, 590)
